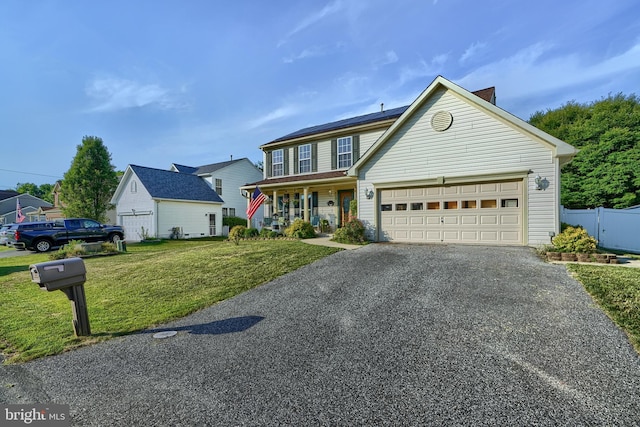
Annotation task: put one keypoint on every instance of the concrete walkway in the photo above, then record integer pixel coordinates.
(325, 240)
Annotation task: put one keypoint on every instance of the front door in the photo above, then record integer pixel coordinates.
(345, 197)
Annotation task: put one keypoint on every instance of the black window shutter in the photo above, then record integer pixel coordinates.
(355, 148)
(285, 154)
(334, 154)
(267, 166)
(295, 160)
(314, 157)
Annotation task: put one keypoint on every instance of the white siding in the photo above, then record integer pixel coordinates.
(476, 144)
(233, 177)
(191, 216)
(135, 209)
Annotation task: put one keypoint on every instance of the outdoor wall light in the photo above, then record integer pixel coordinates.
(368, 193)
(541, 183)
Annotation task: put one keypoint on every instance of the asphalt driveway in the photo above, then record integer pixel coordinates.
(381, 335)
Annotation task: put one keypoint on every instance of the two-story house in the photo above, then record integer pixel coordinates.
(183, 202)
(451, 167)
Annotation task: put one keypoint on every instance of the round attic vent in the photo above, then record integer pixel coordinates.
(441, 121)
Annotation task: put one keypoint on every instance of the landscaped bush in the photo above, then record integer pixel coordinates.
(74, 249)
(237, 233)
(352, 232)
(232, 221)
(270, 234)
(575, 239)
(251, 232)
(300, 229)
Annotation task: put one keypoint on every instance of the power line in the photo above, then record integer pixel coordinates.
(31, 173)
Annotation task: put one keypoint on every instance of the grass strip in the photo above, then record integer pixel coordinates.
(149, 285)
(617, 291)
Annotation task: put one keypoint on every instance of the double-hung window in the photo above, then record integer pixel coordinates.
(304, 158)
(344, 152)
(277, 163)
(219, 186)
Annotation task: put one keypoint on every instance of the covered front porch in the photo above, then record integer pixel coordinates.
(318, 202)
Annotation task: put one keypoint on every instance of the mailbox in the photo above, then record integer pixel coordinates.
(66, 275)
(58, 275)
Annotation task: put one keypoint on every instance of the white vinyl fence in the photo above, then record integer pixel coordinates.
(613, 228)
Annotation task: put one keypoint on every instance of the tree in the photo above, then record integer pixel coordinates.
(90, 182)
(606, 170)
(44, 191)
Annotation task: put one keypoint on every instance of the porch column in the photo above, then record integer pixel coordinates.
(248, 202)
(305, 204)
(274, 203)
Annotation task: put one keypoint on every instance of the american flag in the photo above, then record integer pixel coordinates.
(19, 216)
(256, 201)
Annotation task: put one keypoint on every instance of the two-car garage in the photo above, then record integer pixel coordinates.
(484, 213)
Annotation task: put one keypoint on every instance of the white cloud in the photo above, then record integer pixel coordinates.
(312, 19)
(472, 51)
(536, 71)
(110, 94)
(306, 53)
(278, 113)
(422, 69)
(389, 57)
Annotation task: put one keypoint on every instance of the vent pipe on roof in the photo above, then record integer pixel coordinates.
(382, 107)
(232, 157)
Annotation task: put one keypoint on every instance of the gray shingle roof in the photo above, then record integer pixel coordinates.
(205, 169)
(346, 123)
(164, 184)
(185, 169)
(487, 94)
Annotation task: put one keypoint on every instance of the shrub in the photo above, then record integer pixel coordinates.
(265, 232)
(237, 233)
(74, 249)
(352, 232)
(232, 221)
(300, 229)
(575, 239)
(251, 232)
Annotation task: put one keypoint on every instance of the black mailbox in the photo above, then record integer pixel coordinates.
(66, 275)
(57, 275)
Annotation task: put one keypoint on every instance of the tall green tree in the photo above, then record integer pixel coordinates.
(89, 183)
(606, 170)
(44, 191)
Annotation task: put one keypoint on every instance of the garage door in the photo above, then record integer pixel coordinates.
(486, 213)
(133, 225)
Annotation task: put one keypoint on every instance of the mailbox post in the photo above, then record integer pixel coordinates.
(66, 275)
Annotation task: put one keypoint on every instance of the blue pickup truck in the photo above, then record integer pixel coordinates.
(43, 236)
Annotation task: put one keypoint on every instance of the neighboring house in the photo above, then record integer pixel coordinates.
(164, 204)
(30, 206)
(449, 168)
(55, 212)
(227, 178)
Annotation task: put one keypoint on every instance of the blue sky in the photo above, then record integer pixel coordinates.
(197, 81)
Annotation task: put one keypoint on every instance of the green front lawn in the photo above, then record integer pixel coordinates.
(617, 291)
(149, 285)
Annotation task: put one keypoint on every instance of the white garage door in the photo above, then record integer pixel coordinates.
(133, 225)
(486, 213)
